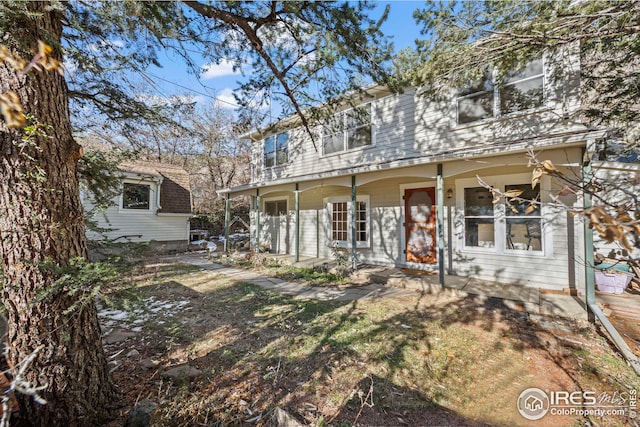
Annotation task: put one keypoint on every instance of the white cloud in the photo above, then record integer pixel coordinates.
(224, 68)
(169, 100)
(225, 99)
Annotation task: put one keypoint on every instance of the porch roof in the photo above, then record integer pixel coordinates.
(569, 139)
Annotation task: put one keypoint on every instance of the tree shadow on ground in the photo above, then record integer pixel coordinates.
(259, 350)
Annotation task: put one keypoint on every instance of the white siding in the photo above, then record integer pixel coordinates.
(149, 226)
(557, 267)
(139, 226)
(622, 184)
(410, 126)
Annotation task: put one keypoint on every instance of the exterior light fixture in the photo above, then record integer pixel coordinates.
(449, 193)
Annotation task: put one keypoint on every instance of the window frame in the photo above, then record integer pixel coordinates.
(519, 217)
(150, 201)
(491, 217)
(496, 90)
(500, 218)
(275, 200)
(366, 221)
(276, 150)
(345, 130)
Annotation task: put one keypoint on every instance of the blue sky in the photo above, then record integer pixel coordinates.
(219, 81)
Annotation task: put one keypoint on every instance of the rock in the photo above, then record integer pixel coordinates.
(181, 373)
(118, 336)
(133, 353)
(142, 414)
(341, 271)
(283, 419)
(148, 363)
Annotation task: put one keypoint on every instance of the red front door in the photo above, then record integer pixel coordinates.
(420, 225)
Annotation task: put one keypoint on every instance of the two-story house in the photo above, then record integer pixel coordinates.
(402, 180)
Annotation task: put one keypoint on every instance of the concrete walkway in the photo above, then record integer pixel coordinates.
(296, 289)
(520, 298)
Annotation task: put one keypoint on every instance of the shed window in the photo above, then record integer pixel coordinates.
(136, 196)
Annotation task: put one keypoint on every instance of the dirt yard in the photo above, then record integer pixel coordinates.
(209, 350)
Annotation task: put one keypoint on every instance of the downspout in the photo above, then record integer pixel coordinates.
(593, 311)
(354, 210)
(257, 220)
(440, 222)
(297, 203)
(159, 187)
(227, 219)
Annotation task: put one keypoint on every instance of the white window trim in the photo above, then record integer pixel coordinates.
(497, 113)
(275, 147)
(328, 203)
(273, 199)
(154, 202)
(345, 140)
(500, 223)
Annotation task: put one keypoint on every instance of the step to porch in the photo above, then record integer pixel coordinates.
(515, 297)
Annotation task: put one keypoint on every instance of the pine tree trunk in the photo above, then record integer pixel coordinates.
(41, 221)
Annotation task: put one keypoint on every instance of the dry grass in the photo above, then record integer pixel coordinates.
(415, 361)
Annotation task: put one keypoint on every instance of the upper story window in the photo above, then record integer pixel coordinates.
(276, 149)
(136, 196)
(347, 130)
(517, 91)
(523, 89)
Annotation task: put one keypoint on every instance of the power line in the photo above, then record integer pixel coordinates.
(144, 73)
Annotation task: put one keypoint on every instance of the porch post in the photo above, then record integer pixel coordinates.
(440, 222)
(354, 210)
(590, 291)
(227, 220)
(257, 220)
(297, 202)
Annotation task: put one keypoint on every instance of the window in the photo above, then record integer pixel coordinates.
(340, 217)
(339, 221)
(136, 196)
(523, 89)
(523, 218)
(512, 224)
(275, 207)
(476, 102)
(478, 218)
(517, 91)
(347, 130)
(276, 150)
